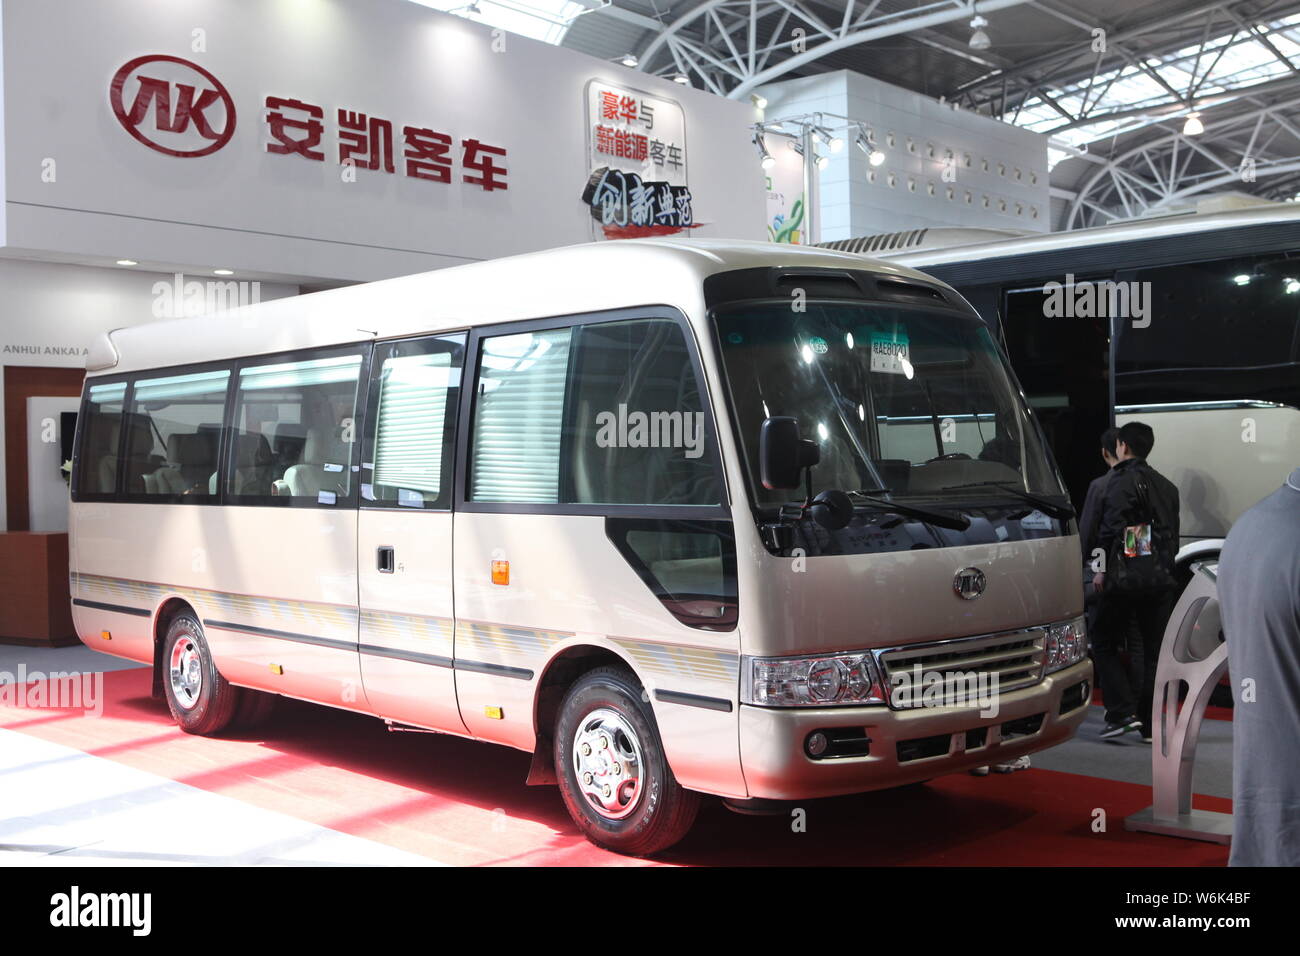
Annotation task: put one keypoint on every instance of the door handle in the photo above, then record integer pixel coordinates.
(386, 560)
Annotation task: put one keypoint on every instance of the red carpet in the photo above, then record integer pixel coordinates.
(461, 802)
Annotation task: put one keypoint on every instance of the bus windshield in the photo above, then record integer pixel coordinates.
(906, 402)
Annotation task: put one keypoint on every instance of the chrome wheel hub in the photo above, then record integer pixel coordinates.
(186, 673)
(607, 762)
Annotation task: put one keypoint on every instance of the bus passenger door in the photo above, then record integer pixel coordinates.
(1061, 355)
(404, 532)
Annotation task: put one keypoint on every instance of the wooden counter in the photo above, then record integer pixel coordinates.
(34, 601)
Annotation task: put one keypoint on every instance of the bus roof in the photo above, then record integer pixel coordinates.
(1131, 231)
(575, 279)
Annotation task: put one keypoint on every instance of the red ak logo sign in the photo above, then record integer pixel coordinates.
(176, 106)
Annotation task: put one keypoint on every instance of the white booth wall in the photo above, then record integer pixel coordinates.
(252, 210)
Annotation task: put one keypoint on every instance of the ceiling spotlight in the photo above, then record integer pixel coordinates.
(1193, 126)
(682, 78)
(823, 162)
(127, 262)
(759, 101)
(796, 146)
(866, 142)
(979, 40)
(829, 139)
(629, 60)
(767, 159)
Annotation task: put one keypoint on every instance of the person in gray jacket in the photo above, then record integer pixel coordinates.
(1259, 602)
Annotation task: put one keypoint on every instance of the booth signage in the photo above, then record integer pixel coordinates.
(637, 175)
(202, 103)
(180, 109)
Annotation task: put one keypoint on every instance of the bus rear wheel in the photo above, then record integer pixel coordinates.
(200, 699)
(613, 775)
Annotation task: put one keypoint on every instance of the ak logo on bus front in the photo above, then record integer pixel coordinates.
(969, 583)
(172, 105)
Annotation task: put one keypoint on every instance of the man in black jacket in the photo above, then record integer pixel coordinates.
(1138, 518)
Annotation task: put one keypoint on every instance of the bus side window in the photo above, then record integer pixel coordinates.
(638, 432)
(411, 428)
(518, 417)
(1226, 329)
(276, 402)
(171, 447)
(97, 461)
(601, 413)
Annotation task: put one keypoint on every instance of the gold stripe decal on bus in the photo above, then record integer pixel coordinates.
(675, 660)
(378, 628)
(324, 620)
(504, 639)
(432, 634)
(497, 644)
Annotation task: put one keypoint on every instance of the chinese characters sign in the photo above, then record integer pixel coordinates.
(367, 142)
(180, 109)
(625, 206)
(637, 184)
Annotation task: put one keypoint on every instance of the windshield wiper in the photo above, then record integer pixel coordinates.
(943, 519)
(1062, 512)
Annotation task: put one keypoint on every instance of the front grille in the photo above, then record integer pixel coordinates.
(952, 673)
(937, 745)
(921, 748)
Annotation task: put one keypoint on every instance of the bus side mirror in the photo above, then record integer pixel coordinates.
(783, 454)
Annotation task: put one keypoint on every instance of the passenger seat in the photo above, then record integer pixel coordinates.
(189, 458)
(323, 468)
(253, 465)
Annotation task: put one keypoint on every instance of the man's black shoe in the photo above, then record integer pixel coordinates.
(1120, 728)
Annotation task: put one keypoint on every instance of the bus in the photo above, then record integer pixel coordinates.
(1190, 323)
(677, 518)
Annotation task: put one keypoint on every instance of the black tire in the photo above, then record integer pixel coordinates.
(254, 709)
(212, 706)
(662, 811)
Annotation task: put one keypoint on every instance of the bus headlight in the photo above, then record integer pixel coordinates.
(1064, 645)
(835, 679)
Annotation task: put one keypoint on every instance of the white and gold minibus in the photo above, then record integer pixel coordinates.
(676, 517)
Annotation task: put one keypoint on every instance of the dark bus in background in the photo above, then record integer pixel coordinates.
(1206, 350)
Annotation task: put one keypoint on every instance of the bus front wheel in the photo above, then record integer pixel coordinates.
(200, 699)
(613, 775)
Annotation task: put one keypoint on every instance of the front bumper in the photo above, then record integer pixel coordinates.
(906, 745)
